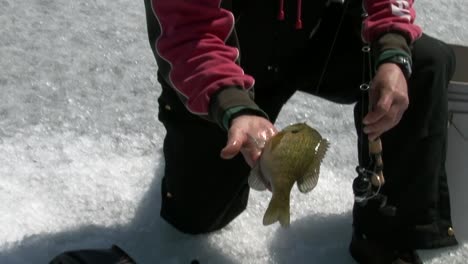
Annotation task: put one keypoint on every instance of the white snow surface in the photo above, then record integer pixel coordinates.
(81, 146)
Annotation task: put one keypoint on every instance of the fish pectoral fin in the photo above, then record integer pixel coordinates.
(255, 179)
(308, 182)
(310, 179)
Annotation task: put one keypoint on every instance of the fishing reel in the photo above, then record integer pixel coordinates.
(366, 191)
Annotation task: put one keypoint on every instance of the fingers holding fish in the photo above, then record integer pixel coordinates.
(247, 135)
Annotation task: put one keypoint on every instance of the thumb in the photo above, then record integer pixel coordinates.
(233, 145)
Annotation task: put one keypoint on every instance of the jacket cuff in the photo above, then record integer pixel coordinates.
(230, 102)
(391, 41)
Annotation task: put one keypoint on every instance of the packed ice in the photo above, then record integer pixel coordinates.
(81, 146)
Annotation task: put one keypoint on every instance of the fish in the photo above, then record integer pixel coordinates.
(293, 155)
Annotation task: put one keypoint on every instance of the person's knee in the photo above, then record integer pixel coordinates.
(435, 55)
(199, 223)
(190, 225)
(443, 59)
(200, 215)
(451, 61)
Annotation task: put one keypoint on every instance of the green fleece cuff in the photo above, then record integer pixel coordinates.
(236, 111)
(230, 102)
(390, 53)
(229, 113)
(391, 42)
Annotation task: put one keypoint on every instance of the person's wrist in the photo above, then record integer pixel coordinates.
(398, 58)
(232, 101)
(234, 112)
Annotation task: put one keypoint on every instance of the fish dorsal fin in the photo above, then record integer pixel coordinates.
(255, 179)
(310, 179)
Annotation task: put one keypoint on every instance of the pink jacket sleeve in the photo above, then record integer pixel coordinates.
(193, 43)
(390, 16)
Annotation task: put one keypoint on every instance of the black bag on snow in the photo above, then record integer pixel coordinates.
(114, 255)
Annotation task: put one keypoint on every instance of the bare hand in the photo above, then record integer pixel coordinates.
(248, 134)
(389, 98)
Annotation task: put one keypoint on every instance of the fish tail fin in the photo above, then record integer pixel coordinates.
(278, 210)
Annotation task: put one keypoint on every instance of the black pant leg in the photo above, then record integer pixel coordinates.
(200, 191)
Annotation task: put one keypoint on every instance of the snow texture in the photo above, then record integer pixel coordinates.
(80, 146)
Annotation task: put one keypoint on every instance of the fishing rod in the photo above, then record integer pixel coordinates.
(368, 184)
